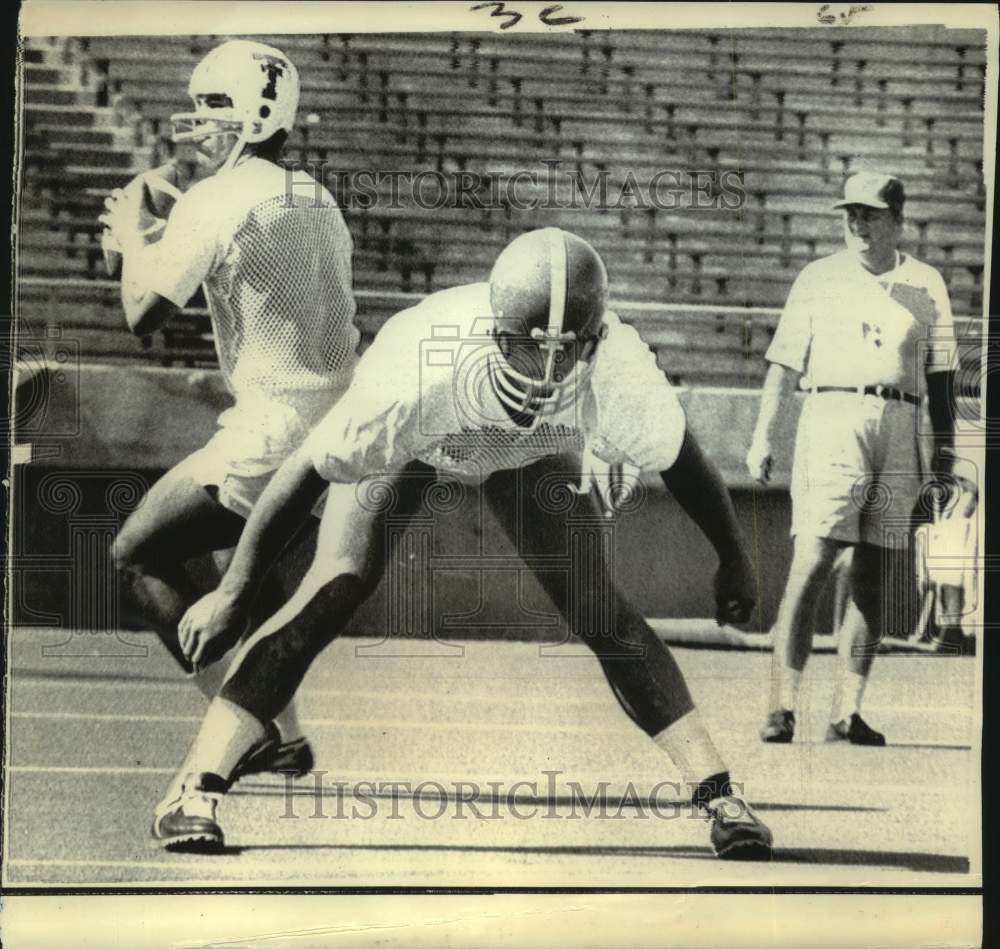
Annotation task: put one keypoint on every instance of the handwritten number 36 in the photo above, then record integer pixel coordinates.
(547, 16)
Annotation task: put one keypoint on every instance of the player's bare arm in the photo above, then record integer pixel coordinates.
(775, 402)
(145, 310)
(212, 624)
(130, 224)
(697, 484)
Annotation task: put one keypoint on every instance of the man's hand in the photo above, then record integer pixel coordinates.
(210, 627)
(760, 461)
(123, 213)
(734, 591)
(126, 216)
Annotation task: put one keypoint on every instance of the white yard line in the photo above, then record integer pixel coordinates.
(165, 864)
(471, 696)
(61, 769)
(412, 694)
(538, 785)
(384, 723)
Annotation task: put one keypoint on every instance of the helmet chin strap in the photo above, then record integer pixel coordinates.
(236, 153)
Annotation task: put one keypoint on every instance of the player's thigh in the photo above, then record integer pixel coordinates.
(355, 536)
(361, 522)
(569, 546)
(553, 527)
(178, 518)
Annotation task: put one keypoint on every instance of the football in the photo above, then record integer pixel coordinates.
(159, 190)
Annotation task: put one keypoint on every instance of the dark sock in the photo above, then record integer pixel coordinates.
(712, 787)
(207, 781)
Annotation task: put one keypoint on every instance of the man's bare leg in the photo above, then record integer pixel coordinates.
(812, 563)
(860, 632)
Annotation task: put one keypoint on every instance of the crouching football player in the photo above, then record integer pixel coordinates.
(556, 371)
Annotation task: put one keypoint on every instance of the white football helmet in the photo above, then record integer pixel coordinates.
(243, 88)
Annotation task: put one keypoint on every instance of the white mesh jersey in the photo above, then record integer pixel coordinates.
(273, 253)
(420, 393)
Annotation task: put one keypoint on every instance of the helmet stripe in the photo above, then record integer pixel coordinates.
(557, 280)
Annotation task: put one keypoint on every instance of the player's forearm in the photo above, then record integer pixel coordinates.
(696, 483)
(276, 518)
(145, 310)
(775, 399)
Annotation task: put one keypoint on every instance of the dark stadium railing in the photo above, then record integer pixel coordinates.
(695, 344)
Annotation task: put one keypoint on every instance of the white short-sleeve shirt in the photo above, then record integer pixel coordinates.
(420, 393)
(843, 326)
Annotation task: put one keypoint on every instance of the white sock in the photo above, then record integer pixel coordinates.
(288, 722)
(176, 782)
(791, 679)
(852, 688)
(227, 733)
(690, 747)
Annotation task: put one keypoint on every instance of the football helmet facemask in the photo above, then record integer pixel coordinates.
(548, 293)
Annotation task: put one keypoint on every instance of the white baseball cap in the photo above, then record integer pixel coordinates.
(874, 190)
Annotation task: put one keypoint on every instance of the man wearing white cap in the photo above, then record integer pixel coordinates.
(868, 331)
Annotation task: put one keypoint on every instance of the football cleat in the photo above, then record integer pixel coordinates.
(855, 730)
(187, 823)
(272, 755)
(737, 833)
(779, 727)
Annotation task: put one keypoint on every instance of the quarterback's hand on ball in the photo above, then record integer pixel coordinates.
(210, 627)
(123, 213)
(760, 461)
(734, 591)
(127, 216)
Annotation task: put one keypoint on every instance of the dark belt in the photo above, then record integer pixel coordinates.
(883, 392)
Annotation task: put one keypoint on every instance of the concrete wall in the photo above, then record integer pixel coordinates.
(99, 435)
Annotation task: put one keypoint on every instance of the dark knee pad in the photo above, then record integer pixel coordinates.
(641, 671)
(652, 692)
(272, 668)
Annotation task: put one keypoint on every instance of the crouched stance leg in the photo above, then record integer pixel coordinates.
(563, 538)
(351, 551)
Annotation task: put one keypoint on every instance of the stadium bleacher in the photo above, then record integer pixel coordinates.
(789, 113)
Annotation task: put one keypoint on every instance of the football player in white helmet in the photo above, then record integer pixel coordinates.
(272, 254)
(244, 94)
(523, 373)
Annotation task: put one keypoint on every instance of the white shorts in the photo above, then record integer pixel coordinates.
(858, 471)
(253, 440)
